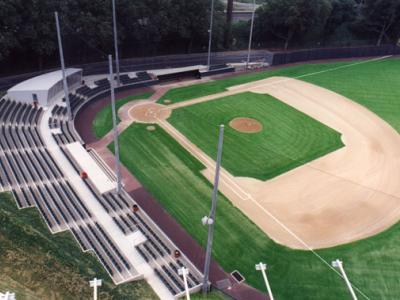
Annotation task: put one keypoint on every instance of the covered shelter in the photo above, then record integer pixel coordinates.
(45, 89)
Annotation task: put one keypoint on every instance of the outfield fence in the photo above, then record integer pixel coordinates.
(184, 60)
(281, 58)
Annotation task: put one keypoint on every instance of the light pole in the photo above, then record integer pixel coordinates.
(65, 84)
(339, 264)
(115, 128)
(251, 33)
(184, 272)
(210, 35)
(116, 42)
(210, 220)
(95, 283)
(262, 267)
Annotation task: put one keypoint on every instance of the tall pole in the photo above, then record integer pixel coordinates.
(262, 267)
(116, 42)
(184, 272)
(210, 221)
(251, 33)
(210, 34)
(339, 264)
(65, 84)
(95, 283)
(115, 129)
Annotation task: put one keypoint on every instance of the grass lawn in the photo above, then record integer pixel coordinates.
(173, 177)
(289, 138)
(214, 295)
(36, 264)
(102, 124)
(374, 84)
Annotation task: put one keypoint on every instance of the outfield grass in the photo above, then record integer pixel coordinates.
(218, 86)
(173, 176)
(289, 138)
(38, 265)
(102, 124)
(374, 84)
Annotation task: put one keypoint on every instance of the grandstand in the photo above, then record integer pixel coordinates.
(35, 144)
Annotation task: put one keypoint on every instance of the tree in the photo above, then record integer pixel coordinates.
(339, 23)
(10, 22)
(380, 16)
(287, 18)
(228, 30)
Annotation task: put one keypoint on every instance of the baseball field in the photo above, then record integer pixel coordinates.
(310, 168)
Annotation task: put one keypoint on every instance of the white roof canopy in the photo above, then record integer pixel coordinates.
(42, 82)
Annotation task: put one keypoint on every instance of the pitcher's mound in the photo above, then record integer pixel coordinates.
(246, 125)
(149, 113)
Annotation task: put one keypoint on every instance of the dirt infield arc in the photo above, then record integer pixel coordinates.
(344, 196)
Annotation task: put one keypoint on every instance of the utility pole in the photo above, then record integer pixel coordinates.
(262, 267)
(116, 42)
(184, 272)
(65, 84)
(339, 264)
(95, 283)
(210, 220)
(115, 128)
(210, 35)
(251, 34)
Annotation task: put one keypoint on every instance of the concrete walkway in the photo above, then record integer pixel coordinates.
(140, 269)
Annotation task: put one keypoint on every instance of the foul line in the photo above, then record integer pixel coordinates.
(287, 229)
(233, 91)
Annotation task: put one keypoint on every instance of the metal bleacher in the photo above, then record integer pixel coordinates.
(157, 250)
(32, 175)
(36, 180)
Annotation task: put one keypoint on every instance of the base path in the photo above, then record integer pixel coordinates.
(347, 195)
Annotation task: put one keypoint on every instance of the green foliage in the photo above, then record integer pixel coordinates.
(39, 265)
(148, 27)
(263, 155)
(102, 123)
(380, 17)
(338, 26)
(285, 19)
(27, 28)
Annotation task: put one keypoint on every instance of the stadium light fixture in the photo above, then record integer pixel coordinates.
(262, 267)
(210, 221)
(64, 77)
(210, 35)
(94, 284)
(115, 128)
(207, 221)
(339, 265)
(251, 34)
(184, 272)
(116, 42)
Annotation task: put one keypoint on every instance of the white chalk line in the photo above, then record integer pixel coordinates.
(256, 202)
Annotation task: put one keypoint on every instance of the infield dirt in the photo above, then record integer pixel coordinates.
(347, 195)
